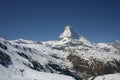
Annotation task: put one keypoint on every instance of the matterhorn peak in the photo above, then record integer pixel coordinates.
(69, 33)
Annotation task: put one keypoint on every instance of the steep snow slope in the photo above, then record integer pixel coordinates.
(24, 73)
(71, 55)
(21, 60)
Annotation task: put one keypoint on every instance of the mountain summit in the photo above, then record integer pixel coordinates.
(70, 35)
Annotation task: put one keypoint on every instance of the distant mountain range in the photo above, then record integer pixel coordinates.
(72, 57)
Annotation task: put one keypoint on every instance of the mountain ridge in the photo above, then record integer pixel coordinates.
(76, 57)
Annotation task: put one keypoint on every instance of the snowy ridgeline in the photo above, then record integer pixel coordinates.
(72, 57)
(21, 59)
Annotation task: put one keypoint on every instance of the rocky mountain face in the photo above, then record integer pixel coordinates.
(71, 55)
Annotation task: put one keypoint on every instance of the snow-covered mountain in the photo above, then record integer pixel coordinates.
(72, 57)
(69, 35)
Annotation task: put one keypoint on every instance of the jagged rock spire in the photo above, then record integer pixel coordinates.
(69, 33)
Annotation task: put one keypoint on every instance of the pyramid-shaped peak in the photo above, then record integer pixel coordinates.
(69, 33)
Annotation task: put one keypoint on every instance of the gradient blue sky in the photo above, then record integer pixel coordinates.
(96, 20)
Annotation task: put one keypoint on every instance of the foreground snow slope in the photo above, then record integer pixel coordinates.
(107, 77)
(28, 74)
(27, 60)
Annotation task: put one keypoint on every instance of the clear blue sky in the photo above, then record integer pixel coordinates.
(96, 20)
